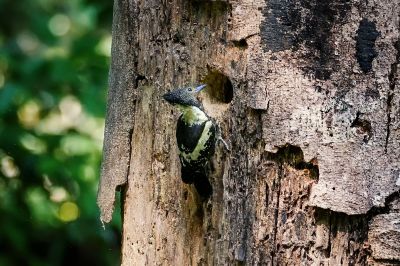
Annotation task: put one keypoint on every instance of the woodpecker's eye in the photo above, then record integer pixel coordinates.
(190, 89)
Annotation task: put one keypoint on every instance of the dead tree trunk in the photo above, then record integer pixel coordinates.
(307, 95)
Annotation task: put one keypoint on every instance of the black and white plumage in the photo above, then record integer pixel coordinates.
(196, 138)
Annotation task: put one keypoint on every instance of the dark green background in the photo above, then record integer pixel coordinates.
(54, 60)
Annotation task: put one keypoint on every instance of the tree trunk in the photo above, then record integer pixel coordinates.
(307, 96)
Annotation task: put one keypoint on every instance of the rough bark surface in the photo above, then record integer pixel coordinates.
(307, 94)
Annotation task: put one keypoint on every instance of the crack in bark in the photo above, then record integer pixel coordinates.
(387, 261)
(329, 247)
(276, 213)
(122, 190)
(375, 210)
(392, 85)
(129, 155)
(132, 42)
(242, 43)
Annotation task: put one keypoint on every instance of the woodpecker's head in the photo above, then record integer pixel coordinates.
(185, 96)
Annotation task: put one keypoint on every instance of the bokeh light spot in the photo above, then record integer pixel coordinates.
(28, 114)
(59, 24)
(72, 145)
(58, 194)
(69, 115)
(70, 107)
(33, 144)
(89, 174)
(68, 212)
(104, 46)
(8, 167)
(27, 42)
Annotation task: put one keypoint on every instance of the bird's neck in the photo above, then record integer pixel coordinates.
(192, 115)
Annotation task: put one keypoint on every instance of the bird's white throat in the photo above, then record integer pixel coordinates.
(192, 115)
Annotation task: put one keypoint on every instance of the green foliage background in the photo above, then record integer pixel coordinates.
(54, 59)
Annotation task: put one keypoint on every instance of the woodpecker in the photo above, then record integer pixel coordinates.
(196, 135)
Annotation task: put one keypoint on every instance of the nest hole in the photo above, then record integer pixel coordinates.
(219, 87)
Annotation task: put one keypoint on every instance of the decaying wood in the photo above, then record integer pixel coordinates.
(307, 95)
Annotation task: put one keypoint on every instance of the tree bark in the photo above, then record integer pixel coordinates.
(307, 96)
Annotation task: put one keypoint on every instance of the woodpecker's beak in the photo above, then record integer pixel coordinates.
(169, 97)
(199, 88)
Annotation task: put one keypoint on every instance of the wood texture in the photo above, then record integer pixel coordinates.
(307, 95)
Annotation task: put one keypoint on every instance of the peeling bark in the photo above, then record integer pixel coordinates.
(307, 94)
(120, 108)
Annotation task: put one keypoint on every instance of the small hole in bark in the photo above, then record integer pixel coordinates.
(241, 44)
(219, 87)
(140, 79)
(293, 155)
(363, 127)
